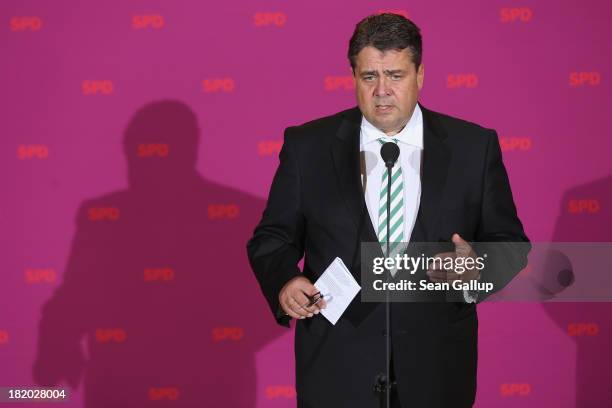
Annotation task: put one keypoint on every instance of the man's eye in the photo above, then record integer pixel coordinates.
(368, 78)
(396, 77)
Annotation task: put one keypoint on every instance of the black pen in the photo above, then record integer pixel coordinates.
(314, 299)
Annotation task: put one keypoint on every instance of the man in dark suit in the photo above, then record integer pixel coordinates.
(325, 201)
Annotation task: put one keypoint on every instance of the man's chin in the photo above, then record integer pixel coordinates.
(384, 123)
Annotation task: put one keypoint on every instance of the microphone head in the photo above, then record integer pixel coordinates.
(389, 152)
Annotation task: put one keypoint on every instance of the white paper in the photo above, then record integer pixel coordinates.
(338, 288)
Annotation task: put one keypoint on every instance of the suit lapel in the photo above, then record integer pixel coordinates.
(345, 152)
(435, 162)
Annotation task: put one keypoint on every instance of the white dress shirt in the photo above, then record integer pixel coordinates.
(410, 142)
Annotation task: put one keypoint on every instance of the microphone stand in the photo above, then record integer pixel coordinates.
(382, 384)
(387, 392)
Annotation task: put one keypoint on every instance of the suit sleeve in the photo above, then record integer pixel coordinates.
(500, 233)
(277, 244)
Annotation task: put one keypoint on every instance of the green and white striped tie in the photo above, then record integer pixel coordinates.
(396, 227)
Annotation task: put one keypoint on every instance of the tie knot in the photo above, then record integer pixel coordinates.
(383, 140)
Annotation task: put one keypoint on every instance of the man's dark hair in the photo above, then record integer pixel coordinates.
(386, 31)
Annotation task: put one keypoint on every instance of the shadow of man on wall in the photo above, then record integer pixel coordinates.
(587, 223)
(158, 306)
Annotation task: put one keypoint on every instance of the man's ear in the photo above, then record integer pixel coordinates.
(420, 76)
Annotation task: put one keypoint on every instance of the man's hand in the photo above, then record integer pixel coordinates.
(462, 250)
(293, 298)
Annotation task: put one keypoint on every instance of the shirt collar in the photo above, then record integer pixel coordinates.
(411, 134)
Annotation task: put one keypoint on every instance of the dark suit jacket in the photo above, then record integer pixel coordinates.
(316, 209)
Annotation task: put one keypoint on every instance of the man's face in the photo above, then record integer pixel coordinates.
(387, 86)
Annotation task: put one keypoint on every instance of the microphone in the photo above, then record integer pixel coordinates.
(389, 152)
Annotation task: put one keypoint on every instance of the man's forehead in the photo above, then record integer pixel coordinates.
(371, 58)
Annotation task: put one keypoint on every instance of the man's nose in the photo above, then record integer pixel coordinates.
(382, 87)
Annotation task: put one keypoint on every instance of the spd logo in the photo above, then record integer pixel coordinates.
(339, 83)
(583, 205)
(212, 85)
(223, 211)
(269, 147)
(158, 274)
(454, 81)
(227, 334)
(4, 336)
(24, 23)
(582, 78)
(515, 14)
(515, 389)
(110, 335)
(38, 275)
(141, 21)
(103, 213)
(582, 329)
(393, 11)
(153, 150)
(265, 19)
(91, 87)
(509, 144)
(280, 391)
(163, 393)
(32, 151)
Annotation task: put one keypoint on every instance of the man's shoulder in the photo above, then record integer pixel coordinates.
(454, 125)
(321, 129)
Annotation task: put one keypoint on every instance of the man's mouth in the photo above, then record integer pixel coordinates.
(383, 108)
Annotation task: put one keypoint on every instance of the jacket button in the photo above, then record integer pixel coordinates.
(384, 332)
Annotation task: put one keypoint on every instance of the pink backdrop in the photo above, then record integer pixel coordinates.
(120, 246)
